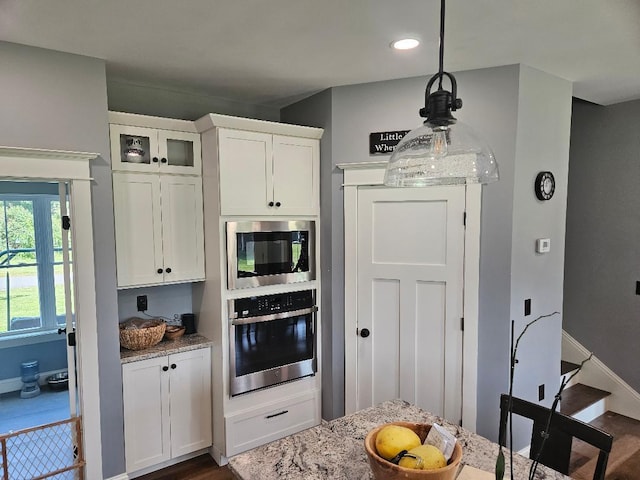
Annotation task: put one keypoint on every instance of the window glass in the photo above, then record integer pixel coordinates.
(31, 264)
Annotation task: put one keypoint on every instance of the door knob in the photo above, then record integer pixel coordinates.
(155, 159)
(168, 270)
(173, 366)
(159, 270)
(163, 160)
(278, 204)
(364, 333)
(165, 368)
(271, 204)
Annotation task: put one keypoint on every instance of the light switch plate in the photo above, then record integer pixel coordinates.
(543, 245)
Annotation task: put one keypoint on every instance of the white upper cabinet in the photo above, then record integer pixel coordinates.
(157, 197)
(263, 174)
(137, 148)
(262, 168)
(159, 229)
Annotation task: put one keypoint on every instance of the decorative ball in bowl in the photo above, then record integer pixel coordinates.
(172, 332)
(383, 469)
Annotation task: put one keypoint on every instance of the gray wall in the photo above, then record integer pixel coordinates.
(164, 102)
(603, 226)
(316, 111)
(59, 101)
(542, 144)
(50, 356)
(493, 106)
(167, 301)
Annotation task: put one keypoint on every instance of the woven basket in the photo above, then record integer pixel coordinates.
(173, 332)
(138, 333)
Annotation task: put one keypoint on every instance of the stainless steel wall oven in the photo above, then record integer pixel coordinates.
(270, 253)
(272, 339)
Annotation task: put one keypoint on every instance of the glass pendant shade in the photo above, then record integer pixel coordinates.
(450, 154)
(443, 151)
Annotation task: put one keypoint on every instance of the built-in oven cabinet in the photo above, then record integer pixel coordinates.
(167, 407)
(159, 229)
(138, 147)
(269, 422)
(264, 174)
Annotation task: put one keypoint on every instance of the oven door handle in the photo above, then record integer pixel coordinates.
(273, 316)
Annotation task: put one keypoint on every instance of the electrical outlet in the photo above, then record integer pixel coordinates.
(142, 303)
(527, 307)
(541, 392)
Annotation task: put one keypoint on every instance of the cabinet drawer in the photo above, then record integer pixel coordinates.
(248, 430)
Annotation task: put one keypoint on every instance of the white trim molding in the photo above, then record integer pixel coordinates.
(623, 399)
(371, 174)
(122, 476)
(73, 167)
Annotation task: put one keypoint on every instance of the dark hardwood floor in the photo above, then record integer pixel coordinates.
(199, 468)
(624, 461)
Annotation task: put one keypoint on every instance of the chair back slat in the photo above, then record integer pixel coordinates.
(557, 449)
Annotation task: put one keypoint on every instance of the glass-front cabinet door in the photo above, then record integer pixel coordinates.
(141, 149)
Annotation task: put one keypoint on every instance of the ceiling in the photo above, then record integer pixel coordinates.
(270, 52)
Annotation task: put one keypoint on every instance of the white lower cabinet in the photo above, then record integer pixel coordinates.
(250, 429)
(167, 407)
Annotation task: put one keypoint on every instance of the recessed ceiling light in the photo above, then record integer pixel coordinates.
(405, 44)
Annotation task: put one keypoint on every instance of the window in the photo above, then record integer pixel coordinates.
(31, 271)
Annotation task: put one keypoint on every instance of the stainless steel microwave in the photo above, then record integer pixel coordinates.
(270, 253)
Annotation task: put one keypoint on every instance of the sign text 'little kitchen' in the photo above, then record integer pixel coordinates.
(385, 142)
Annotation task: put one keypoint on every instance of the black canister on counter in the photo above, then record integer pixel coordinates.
(189, 322)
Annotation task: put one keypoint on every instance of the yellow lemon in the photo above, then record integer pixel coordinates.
(427, 457)
(392, 439)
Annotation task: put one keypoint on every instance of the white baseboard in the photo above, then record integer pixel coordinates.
(623, 399)
(217, 455)
(15, 384)
(122, 476)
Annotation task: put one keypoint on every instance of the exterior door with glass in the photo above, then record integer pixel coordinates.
(37, 304)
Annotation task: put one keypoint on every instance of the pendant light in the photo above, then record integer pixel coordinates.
(443, 151)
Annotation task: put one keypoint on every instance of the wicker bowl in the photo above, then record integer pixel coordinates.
(138, 333)
(174, 332)
(385, 470)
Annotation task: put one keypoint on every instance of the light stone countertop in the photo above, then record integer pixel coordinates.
(335, 450)
(165, 347)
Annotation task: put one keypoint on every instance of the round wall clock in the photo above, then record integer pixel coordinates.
(544, 185)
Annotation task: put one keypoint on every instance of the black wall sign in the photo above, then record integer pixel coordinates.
(385, 142)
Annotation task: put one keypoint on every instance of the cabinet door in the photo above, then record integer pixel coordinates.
(134, 149)
(295, 175)
(190, 384)
(136, 199)
(246, 186)
(182, 228)
(179, 152)
(145, 389)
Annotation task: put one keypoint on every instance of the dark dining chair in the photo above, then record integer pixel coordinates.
(557, 448)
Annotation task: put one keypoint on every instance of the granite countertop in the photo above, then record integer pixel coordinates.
(165, 347)
(335, 450)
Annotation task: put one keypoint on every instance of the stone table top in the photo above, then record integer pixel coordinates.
(165, 347)
(335, 450)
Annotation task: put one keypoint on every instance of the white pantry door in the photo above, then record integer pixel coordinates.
(410, 265)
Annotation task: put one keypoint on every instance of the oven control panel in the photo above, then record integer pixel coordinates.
(269, 304)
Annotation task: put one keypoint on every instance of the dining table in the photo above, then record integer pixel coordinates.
(335, 449)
